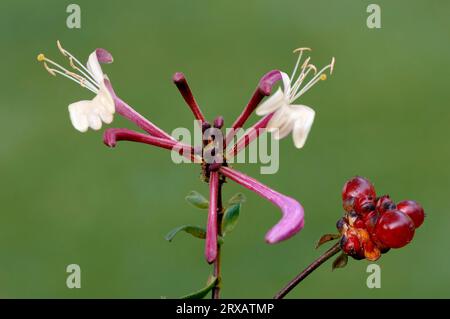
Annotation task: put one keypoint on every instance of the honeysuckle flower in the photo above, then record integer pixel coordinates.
(87, 113)
(289, 117)
(293, 214)
(101, 108)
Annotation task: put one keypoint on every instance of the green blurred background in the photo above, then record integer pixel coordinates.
(66, 198)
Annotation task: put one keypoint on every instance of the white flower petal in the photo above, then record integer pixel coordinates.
(94, 120)
(286, 84)
(106, 117)
(278, 119)
(305, 119)
(271, 104)
(286, 127)
(94, 67)
(105, 98)
(78, 115)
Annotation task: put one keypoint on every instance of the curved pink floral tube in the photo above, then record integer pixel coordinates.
(264, 88)
(180, 81)
(112, 135)
(293, 214)
(250, 135)
(128, 112)
(211, 230)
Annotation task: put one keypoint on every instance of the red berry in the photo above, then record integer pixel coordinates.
(357, 187)
(359, 223)
(413, 210)
(371, 220)
(385, 203)
(351, 246)
(394, 229)
(364, 205)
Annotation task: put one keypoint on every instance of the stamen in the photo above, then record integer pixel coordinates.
(61, 49)
(332, 65)
(86, 83)
(90, 79)
(315, 79)
(64, 72)
(71, 59)
(302, 49)
(303, 68)
(302, 76)
(49, 70)
(87, 86)
(312, 66)
(298, 60)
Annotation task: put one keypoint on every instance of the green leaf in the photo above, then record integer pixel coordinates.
(198, 200)
(195, 231)
(200, 294)
(230, 218)
(237, 198)
(340, 261)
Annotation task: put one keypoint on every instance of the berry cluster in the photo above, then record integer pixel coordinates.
(372, 225)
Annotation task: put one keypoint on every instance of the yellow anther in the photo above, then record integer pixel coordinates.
(41, 57)
(323, 77)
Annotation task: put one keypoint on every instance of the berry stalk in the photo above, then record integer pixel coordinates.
(307, 271)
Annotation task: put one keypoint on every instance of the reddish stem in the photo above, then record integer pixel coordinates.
(211, 230)
(217, 262)
(308, 270)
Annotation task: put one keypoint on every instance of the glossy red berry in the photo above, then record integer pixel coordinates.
(394, 229)
(385, 203)
(414, 210)
(351, 245)
(359, 223)
(371, 221)
(357, 187)
(364, 205)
